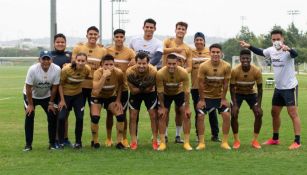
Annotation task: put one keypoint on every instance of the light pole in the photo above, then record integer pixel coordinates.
(100, 21)
(53, 24)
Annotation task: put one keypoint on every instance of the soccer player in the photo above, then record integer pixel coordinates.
(148, 43)
(213, 78)
(72, 77)
(173, 85)
(107, 90)
(184, 53)
(40, 88)
(199, 55)
(286, 85)
(123, 58)
(242, 87)
(141, 80)
(61, 57)
(94, 52)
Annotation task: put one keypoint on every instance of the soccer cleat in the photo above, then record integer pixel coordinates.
(120, 146)
(178, 140)
(77, 146)
(166, 139)
(225, 146)
(201, 146)
(133, 145)
(294, 145)
(236, 145)
(216, 139)
(162, 147)
(27, 148)
(95, 145)
(187, 146)
(126, 143)
(255, 144)
(53, 147)
(271, 142)
(155, 145)
(67, 143)
(108, 143)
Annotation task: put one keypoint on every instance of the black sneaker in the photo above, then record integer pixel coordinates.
(120, 146)
(67, 142)
(53, 147)
(96, 145)
(27, 148)
(215, 139)
(77, 146)
(166, 139)
(61, 146)
(178, 140)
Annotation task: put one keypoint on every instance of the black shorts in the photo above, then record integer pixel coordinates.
(251, 99)
(285, 97)
(105, 102)
(74, 101)
(195, 95)
(150, 100)
(213, 104)
(179, 100)
(124, 99)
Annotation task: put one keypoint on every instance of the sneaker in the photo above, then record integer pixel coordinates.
(215, 139)
(77, 146)
(53, 147)
(236, 145)
(166, 139)
(120, 146)
(126, 143)
(61, 146)
(271, 142)
(133, 145)
(294, 145)
(108, 143)
(201, 146)
(155, 145)
(96, 145)
(67, 143)
(162, 147)
(255, 144)
(225, 146)
(187, 146)
(178, 140)
(27, 148)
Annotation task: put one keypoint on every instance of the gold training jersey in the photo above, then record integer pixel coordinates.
(214, 77)
(112, 83)
(172, 84)
(185, 62)
(198, 57)
(121, 60)
(245, 81)
(94, 56)
(150, 72)
(71, 79)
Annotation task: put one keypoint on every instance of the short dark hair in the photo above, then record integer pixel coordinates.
(215, 46)
(107, 57)
(245, 52)
(181, 23)
(59, 35)
(276, 31)
(171, 56)
(151, 21)
(93, 28)
(117, 31)
(141, 55)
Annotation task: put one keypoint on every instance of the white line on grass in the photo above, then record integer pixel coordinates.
(1, 99)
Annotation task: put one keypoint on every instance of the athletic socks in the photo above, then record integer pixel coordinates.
(297, 139)
(275, 136)
(94, 128)
(178, 130)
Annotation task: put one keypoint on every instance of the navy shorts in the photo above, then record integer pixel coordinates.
(178, 99)
(150, 100)
(285, 97)
(213, 104)
(251, 99)
(105, 102)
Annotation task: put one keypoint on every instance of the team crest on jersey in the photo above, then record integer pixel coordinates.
(95, 101)
(245, 76)
(67, 55)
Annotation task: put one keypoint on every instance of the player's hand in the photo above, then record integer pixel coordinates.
(285, 47)
(244, 44)
(234, 110)
(51, 108)
(118, 106)
(29, 110)
(224, 102)
(61, 105)
(106, 73)
(162, 112)
(201, 104)
(187, 112)
(258, 110)
(148, 89)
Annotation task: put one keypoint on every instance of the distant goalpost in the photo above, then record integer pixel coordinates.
(18, 61)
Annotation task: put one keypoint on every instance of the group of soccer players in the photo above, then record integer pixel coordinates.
(118, 78)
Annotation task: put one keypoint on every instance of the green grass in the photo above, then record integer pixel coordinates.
(268, 160)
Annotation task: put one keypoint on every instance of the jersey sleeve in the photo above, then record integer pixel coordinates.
(63, 75)
(228, 72)
(266, 52)
(57, 77)
(201, 72)
(159, 82)
(186, 87)
(258, 77)
(233, 77)
(30, 76)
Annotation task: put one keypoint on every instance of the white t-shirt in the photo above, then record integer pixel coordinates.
(139, 44)
(42, 81)
(283, 66)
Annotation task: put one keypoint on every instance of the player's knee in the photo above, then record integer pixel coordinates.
(95, 119)
(120, 118)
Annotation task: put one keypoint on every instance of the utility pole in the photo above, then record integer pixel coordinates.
(53, 23)
(100, 21)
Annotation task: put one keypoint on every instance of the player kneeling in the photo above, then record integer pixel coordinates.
(107, 89)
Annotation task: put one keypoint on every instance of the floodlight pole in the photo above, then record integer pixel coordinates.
(53, 23)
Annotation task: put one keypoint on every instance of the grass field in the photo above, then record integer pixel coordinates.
(268, 160)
